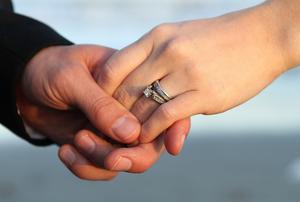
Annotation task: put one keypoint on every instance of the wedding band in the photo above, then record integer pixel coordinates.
(156, 92)
(157, 88)
(150, 93)
(156, 97)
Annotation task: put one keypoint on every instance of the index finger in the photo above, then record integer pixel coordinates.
(136, 159)
(122, 63)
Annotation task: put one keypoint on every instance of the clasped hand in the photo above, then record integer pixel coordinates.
(61, 100)
(89, 99)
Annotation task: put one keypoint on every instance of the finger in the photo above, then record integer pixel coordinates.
(146, 106)
(143, 108)
(93, 146)
(122, 63)
(156, 67)
(81, 167)
(136, 159)
(104, 112)
(179, 108)
(34, 116)
(176, 135)
(131, 89)
(95, 56)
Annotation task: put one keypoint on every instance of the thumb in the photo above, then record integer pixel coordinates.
(104, 112)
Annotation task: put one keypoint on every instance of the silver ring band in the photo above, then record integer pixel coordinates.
(157, 88)
(156, 92)
(156, 97)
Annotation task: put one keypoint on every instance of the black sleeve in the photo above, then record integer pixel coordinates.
(20, 39)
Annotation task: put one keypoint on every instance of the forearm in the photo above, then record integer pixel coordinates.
(286, 18)
(274, 26)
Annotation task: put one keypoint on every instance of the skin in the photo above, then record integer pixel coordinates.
(59, 98)
(208, 66)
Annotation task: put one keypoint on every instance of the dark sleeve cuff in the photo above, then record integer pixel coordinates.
(24, 36)
(20, 39)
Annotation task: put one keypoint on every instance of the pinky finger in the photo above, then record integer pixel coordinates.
(167, 114)
(176, 135)
(81, 167)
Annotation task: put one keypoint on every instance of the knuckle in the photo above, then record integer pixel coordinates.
(140, 110)
(139, 106)
(101, 106)
(177, 48)
(193, 74)
(81, 133)
(106, 75)
(161, 30)
(78, 137)
(167, 113)
(122, 95)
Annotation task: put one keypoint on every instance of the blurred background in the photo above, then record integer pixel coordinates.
(249, 154)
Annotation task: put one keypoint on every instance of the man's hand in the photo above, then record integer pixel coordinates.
(58, 82)
(59, 98)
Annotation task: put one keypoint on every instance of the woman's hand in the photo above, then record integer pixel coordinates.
(207, 66)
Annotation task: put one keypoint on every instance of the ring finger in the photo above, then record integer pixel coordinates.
(171, 85)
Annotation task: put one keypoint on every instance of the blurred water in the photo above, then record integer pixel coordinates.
(224, 169)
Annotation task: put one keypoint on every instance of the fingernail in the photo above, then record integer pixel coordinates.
(182, 140)
(125, 127)
(68, 157)
(86, 144)
(122, 164)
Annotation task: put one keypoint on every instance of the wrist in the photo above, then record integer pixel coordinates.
(24, 112)
(285, 15)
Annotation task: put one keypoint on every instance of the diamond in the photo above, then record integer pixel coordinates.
(148, 92)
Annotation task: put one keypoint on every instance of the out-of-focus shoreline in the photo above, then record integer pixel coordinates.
(250, 169)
